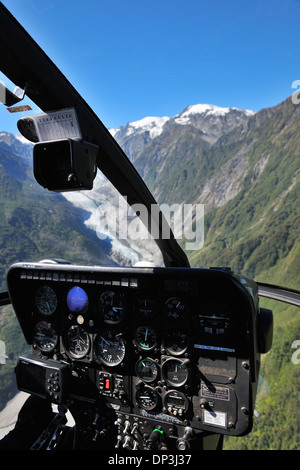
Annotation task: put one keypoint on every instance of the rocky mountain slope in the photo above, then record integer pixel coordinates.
(247, 178)
(36, 224)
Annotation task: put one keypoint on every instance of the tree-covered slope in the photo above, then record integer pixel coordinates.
(34, 224)
(249, 183)
(257, 232)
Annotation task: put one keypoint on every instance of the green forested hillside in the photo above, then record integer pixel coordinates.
(277, 424)
(34, 224)
(256, 231)
(260, 226)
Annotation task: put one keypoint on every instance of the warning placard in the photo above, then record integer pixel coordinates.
(216, 393)
(215, 418)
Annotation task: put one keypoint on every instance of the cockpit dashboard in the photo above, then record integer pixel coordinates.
(134, 349)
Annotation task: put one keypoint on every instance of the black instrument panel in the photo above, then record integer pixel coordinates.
(174, 346)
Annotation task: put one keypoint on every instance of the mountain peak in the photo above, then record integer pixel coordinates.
(151, 124)
(154, 126)
(207, 110)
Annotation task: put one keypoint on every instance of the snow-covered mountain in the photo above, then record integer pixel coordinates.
(210, 121)
(152, 125)
(155, 145)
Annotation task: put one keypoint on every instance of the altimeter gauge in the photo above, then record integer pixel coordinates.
(110, 348)
(176, 308)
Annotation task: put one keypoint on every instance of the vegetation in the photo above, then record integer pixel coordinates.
(254, 230)
(277, 423)
(257, 234)
(34, 224)
(15, 345)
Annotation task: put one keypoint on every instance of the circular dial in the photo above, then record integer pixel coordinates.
(175, 342)
(45, 337)
(77, 342)
(147, 398)
(176, 403)
(111, 307)
(146, 338)
(175, 372)
(147, 307)
(77, 300)
(175, 308)
(147, 370)
(46, 300)
(110, 348)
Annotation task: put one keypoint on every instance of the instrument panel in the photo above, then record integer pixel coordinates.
(168, 346)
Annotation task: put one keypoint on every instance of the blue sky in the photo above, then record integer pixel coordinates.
(131, 59)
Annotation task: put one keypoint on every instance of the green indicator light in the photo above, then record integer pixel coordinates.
(159, 430)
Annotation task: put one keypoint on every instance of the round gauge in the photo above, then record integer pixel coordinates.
(147, 307)
(175, 342)
(147, 370)
(111, 307)
(77, 300)
(110, 348)
(45, 337)
(146, 338)
(176, 403)
(175, 372)
(77, 342)
(46, 300)
(175, 308)
(147, 398)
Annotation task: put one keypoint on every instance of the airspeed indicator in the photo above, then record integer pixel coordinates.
(46, 300)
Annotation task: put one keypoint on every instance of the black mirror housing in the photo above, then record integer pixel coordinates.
(65, 165)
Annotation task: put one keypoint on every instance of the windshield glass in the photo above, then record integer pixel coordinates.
(229, 176)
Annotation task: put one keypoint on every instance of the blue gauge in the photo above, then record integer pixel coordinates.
(77, 300)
